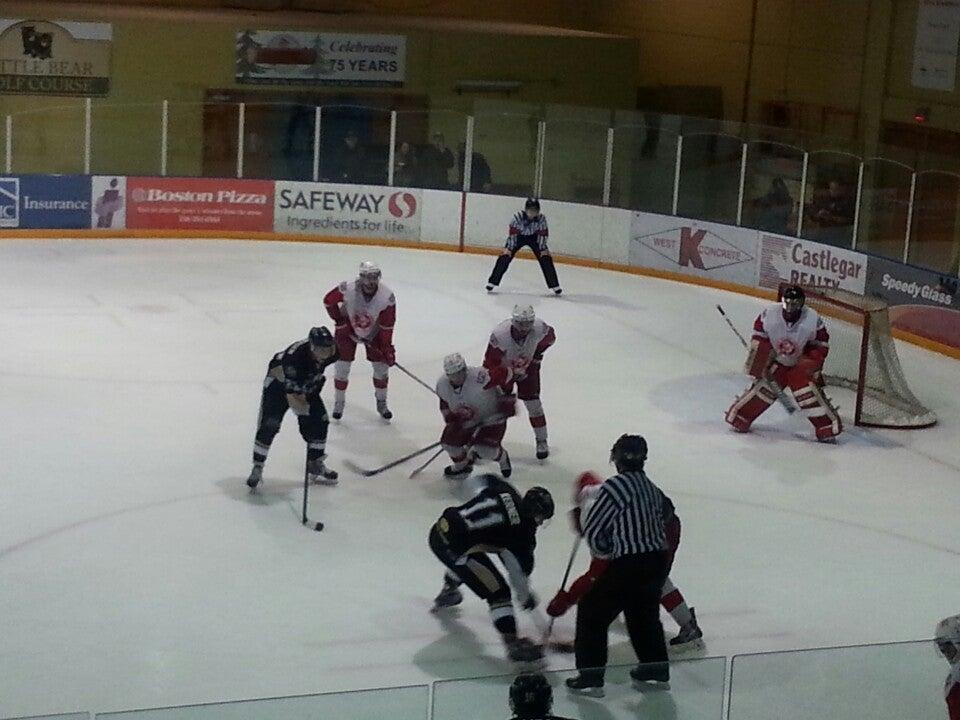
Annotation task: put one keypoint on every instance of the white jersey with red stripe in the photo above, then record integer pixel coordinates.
(505, 350)
(951, 692)
(791, 340)
(368, 316)
(475, 402)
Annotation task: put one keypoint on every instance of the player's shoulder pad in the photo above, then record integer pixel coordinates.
(343, 286)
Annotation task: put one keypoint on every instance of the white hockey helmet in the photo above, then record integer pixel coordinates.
(523, 317)
(369, 269)
(947, 638)
(453, 364)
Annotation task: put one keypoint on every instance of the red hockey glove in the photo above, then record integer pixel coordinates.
(389, 355)
(560, 604)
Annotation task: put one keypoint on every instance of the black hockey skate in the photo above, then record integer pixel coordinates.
(256, 476)
(383, 410)
(690, 634)
(490, 287)
(543, 450)
(587, 685)
(449, 597)
(655, 676)
(504, 461)
(337, 410)
(557, 291)
(319, 474)
(457, 473)
(524, 650)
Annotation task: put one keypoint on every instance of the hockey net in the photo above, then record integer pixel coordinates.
(863, 358)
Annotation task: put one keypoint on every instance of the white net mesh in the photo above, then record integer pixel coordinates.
(883, 396)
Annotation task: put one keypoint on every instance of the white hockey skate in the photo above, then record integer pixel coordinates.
(543, 450)
(338, 406)
(383, 410)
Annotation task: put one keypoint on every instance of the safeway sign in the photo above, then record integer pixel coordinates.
(347, 211)
(693, 247)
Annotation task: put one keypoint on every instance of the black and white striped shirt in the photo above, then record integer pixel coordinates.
(523, 229)
(627, 518)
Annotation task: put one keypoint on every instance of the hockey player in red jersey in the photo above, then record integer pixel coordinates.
(364, 311)
(475, 404)
(948, 642)
(518, 344)
(790, 344)
(671, 599)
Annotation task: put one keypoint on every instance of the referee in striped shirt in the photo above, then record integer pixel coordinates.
(625, 526)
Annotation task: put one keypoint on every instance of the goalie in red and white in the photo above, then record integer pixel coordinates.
(475, 404)
(364, 311)
(518, 344)
(948, 642)
(790, 343)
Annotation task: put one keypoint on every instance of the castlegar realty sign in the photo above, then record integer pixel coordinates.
(271, 57)
(40, 57)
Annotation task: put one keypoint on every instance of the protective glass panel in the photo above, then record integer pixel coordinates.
(278, 141)
(202, 139)
(426, 150)
(831, 197)
(771, 190)
(504, 154)
(49, 140)
(884, 206)
(710, 177)
(644, 162)
(354, 144)
(574, 160)
(933, 240)
(125, 139)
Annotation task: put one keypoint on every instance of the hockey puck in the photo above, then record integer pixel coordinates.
(318, 527)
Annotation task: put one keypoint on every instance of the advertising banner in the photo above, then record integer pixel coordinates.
(199, 204)
(348, 210)
(693, 247)
(45, 201)
(795, 260)
(108, 202)
(274, 57)
(921, 301)
(38, 57)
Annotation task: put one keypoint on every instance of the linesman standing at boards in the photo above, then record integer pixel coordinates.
(527, 229)
(626, 526)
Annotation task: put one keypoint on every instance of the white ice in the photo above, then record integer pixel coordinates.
(136, 571)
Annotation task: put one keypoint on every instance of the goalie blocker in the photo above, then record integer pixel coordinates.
(790, 343)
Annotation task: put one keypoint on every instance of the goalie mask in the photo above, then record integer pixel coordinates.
(792, 301)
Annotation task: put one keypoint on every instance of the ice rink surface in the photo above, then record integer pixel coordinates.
(136, 570)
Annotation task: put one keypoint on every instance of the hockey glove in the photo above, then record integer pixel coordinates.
(560, 604)
(313, 387)
(389, 355)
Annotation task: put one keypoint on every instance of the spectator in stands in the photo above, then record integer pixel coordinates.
(832, 213)
(774, 209)
(481, 180)
(531, 698)
(434, 164)
(350, 162)
(405, 166)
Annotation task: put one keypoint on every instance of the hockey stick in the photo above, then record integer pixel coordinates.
(402, 369)
(306, 492)
(424, 466)
(787, 405)
(376, 471)
(563, 586)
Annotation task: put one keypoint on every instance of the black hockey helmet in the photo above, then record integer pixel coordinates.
(531, 696)
(537, 503)
(532, 204)
(629, 452)
(793, 298)
(320, 337)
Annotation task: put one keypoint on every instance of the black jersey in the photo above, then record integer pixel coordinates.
(298, 368)
(491, 522)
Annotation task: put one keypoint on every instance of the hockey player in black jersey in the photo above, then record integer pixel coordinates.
(294, 380)
(497, 520)
(531, 698)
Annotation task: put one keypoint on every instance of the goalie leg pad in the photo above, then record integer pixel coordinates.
(751, 405)
(818, 409)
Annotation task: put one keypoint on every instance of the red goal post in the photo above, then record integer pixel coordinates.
(863, 358)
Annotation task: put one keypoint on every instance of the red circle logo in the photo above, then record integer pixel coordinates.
(402, 204)
(786, 348)
(362, 321)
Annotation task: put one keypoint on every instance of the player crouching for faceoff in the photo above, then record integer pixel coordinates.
(531, 698)
(294, 380)
(475, 404)
(948, 642)
(497, 520)
(790, 343)
(519, 344)
(364, 311)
